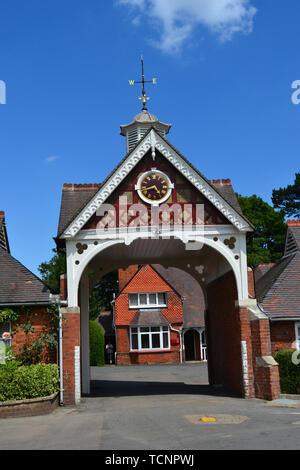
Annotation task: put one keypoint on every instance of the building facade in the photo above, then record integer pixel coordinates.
(155, 207)
(25, 293)
(278, 293)
(159, 316)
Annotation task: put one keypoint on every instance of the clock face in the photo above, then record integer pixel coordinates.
(154, 187)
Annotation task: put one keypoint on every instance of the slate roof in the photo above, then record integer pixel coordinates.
(261, 270)
(149, 318)
(76, 196)
(189, 289)
(278, 291)
(3, 233)
(18, 285)
(105, 319)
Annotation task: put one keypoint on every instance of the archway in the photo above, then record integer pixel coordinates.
(206, 265)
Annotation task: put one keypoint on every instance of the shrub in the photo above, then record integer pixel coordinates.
(22, 382)
(96, 344)
(289, 372)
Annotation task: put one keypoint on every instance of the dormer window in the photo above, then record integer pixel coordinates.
(148, 300)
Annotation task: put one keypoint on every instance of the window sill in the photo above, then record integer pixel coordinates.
(147, 351)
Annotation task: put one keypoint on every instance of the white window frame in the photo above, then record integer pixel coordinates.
(148, 304)
(297, 335)
(150, 333)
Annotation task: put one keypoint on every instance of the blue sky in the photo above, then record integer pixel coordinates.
(224, 83)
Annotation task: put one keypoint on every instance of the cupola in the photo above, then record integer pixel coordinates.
(140, 125)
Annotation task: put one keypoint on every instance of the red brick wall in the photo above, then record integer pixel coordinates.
(282, 335)
(251, 288)
(41, 322)
(71, 338)
(147, 280)
(125, 275)
(125, 357)
(32, 407)
(226, 327)
(267, 385)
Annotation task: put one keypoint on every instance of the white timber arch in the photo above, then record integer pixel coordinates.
(77, 263)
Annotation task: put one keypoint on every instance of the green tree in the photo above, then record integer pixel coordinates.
(100, 297)
(51, 270)
(96, 344)
(103, 293)
(288, 199)
(266, 244)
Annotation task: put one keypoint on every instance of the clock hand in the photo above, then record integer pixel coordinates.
(151, 187)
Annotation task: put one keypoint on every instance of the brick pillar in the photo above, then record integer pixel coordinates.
(266, 372)
(71, 355)
(244, 333)
(63, 287)
(228, 338)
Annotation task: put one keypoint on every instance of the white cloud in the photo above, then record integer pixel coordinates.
(51, 159)
(177, 19)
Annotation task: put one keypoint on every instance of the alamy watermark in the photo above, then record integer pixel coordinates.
(2, 92)
(296, 94)
(296, 356)
(164, 221)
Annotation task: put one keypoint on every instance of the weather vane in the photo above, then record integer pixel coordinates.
(144, 97)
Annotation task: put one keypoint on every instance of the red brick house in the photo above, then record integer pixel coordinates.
(158, 316)
(278, 292)
(19, 287)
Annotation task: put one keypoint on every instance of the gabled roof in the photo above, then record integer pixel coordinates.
(292, 241)
(3, 233)
(149, 317)
(278, 289)
(78, 206)
(18, 285)
(189, 290)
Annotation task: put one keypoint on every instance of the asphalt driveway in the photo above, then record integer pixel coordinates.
(158, 407)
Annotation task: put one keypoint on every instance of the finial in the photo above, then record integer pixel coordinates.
(144, 98)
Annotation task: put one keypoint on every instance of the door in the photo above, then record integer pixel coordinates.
(189, 345)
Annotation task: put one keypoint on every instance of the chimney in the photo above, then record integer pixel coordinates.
(293, 223)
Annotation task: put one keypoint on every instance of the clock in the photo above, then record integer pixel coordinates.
(154, 187)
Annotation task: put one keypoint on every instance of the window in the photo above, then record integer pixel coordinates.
(297, 335)
(153, 299)
(149, 337)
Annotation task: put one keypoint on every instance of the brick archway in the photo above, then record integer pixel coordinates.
(237, 333)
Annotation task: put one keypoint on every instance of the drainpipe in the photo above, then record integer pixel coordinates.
(114, 326)
(180, 339)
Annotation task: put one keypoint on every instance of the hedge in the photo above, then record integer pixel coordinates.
(96, 344)
(22, 382)
(288, 371)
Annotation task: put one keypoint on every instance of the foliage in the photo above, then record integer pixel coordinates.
(22, 382)
(51, 270)
(102, 294)
(288, 371)
(96, 344)
(8, 315)
(288, 199)
(35, 349)
(266, 244)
